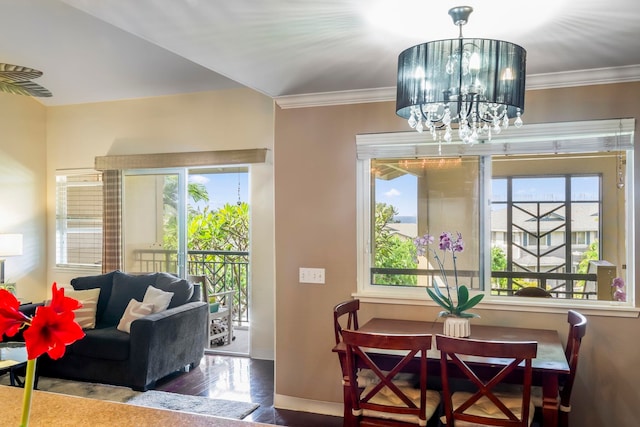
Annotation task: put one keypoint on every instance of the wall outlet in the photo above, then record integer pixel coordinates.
(311, 275)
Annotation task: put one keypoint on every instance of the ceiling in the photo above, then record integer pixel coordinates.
(104, 50)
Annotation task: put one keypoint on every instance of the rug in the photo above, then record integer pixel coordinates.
(152, 398)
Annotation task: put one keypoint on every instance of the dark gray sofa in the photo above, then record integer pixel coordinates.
(158, 344)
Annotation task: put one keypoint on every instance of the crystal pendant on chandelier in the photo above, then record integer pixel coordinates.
(477, 84)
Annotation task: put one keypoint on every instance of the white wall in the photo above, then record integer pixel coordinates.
(22, 190)
(221, 120)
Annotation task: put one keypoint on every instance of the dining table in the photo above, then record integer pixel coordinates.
(548, 366)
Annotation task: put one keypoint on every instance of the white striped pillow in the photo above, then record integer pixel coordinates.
(85, 315)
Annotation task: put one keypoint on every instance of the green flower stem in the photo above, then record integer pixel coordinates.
(455, 270)
(443, 274)
(28, 391)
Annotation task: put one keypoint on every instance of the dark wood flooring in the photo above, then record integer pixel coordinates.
(242, 379)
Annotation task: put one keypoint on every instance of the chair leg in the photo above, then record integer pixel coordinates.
(563, 419)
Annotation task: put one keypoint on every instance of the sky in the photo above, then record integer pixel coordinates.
(401, 192)
(223, 187)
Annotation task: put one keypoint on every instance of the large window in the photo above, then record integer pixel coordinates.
(543, 222)
(78, 219)
(547, 208)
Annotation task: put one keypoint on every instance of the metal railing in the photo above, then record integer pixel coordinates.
(560, 285)
(224, 271)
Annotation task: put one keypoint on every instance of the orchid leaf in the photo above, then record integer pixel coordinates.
(467, 315)
(442, 302)
(471, 303)
(436, 288)
(463, 295)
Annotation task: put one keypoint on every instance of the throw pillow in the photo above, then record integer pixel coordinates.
(125, 288)
(159, 299)
(102, 281)
(135, 310)
(85, 315)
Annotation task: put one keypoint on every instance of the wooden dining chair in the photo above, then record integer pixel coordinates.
(348, 309)
(577, 330)
(485, 405)
(386, 401)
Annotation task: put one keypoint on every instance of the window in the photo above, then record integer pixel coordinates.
(78, 219)
(534, 211)
(543, 216)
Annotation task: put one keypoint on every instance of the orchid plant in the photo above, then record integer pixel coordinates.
(50, 330)
(459, 305)
(617, 287)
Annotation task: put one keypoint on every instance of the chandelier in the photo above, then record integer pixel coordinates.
(476, 83)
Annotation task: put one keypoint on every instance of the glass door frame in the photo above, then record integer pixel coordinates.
(181, 210)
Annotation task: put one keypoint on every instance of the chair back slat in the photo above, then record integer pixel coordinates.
(460, 352)
(348, 309)
(362, 348)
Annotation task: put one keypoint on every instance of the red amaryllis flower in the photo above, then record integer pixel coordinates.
(11, 319)
(50, 332)
(60, 303)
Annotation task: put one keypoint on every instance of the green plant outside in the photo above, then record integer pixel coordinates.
(391, 251)
(223, 229)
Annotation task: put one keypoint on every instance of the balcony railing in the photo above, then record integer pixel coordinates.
(224, 271)
(560, 285)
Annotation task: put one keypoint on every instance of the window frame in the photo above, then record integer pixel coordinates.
(597, 135)
(85, 268)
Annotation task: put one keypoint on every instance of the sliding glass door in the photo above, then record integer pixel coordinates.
(154, 220)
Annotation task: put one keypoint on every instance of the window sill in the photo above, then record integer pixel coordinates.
(79, 269)
(518, 304)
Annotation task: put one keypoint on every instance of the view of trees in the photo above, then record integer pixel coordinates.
(392, 251)
(224, 229)
(590, 254)
(221, 232)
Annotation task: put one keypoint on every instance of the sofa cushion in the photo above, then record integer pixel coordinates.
(134, 311)
(102, 281)
(125, 288)
(182, 289)
(105, 343)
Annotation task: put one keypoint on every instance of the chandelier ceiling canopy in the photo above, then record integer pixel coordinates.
(477, 83)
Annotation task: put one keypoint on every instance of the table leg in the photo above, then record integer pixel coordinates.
(550, 400)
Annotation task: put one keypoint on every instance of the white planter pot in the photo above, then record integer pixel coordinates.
(458, 327)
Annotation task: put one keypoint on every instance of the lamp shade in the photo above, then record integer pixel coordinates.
(10, 245)
(457, 71)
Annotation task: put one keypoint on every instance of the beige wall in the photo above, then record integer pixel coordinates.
(22, 190)
(316, 227)
(223, 120)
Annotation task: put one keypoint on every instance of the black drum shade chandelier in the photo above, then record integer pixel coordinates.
(477, 83)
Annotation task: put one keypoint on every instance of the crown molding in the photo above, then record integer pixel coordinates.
(323, 99)
(595, 76)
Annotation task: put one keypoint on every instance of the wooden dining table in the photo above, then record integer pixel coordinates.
(549, 364)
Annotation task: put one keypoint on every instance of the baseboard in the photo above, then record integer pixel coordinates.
(306, 405)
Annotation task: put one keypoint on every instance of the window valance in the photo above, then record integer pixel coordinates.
(188, 159)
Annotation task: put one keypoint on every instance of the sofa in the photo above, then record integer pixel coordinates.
(131, 342)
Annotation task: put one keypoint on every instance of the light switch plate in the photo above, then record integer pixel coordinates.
(311, 275)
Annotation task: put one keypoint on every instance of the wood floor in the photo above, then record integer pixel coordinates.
(242, 379)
